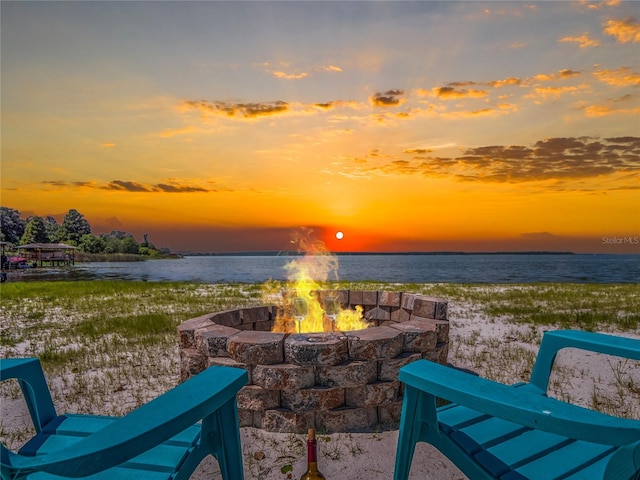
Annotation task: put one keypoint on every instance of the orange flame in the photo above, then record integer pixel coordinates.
(307, 275)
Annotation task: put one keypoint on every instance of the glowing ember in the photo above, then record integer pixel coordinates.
(307, 280)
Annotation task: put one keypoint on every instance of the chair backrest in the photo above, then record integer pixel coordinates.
(554, 341)
(34, 387)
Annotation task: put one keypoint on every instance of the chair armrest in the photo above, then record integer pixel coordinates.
(143, 428)
(28, 372)
(625, 463)
(554, 341)
(519, 405)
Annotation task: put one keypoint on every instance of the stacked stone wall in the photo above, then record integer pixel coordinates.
(342, 384)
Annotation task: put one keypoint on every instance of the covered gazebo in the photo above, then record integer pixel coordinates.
(55, 254)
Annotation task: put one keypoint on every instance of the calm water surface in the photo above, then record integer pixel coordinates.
(481, 268)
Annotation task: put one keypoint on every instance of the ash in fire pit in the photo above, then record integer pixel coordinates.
(345, 383)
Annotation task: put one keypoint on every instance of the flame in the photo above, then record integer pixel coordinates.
(307, 276)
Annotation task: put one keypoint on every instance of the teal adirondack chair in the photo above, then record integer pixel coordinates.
(494, 431)
(164, 439)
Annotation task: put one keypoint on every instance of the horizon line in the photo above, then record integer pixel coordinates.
(417, 252)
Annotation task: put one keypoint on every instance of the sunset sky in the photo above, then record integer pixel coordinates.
(409, 126)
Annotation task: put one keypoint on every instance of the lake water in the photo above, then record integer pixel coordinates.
(397, 268)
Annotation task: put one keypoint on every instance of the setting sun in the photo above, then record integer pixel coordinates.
(339, 235)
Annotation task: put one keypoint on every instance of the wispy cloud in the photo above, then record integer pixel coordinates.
(246, 110)
(129, 186)
(453, 93)
(505, 82)
(481, 112)
(559, 75)
(285, 71)
(170, 186)
(619, 106)
(417, 151)
(64, 184)
(583, 41)
(620, 77)
(509, 10)
(599, 5)
(289, 76)
(177, 131)
(544, 93)
(330, 68)
(336, 104)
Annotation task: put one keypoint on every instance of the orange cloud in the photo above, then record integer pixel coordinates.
(281, 71)
(390, 98)
(624, 31)
(505, 82)
(597, 6)
(418, 151)
(559, 75)
(621, 77)
(583, 41)
(612, 108)
(289, 76)
(451, 92)
(556, 92)
(246, 110)
(594, 111)
(176, 131)
(335, 104)
(331, 68)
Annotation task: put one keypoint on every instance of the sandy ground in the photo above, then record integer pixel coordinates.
(492, 348)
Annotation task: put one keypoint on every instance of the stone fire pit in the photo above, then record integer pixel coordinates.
(343, 384)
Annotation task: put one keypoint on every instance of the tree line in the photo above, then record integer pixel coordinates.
(74, 230)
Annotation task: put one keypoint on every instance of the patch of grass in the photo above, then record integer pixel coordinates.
(145, 326)
(53, 355)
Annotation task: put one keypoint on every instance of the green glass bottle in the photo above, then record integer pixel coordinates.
(312, 472)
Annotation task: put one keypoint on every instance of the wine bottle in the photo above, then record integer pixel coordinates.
(312, 472)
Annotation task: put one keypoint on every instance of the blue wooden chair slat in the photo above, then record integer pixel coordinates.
(566, 461)
(165, 438)
(529, 446)
(460, 417)
(111, 474)
(495, 431)
(596, 470)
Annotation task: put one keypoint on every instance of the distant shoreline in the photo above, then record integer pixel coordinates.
(286, 253)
